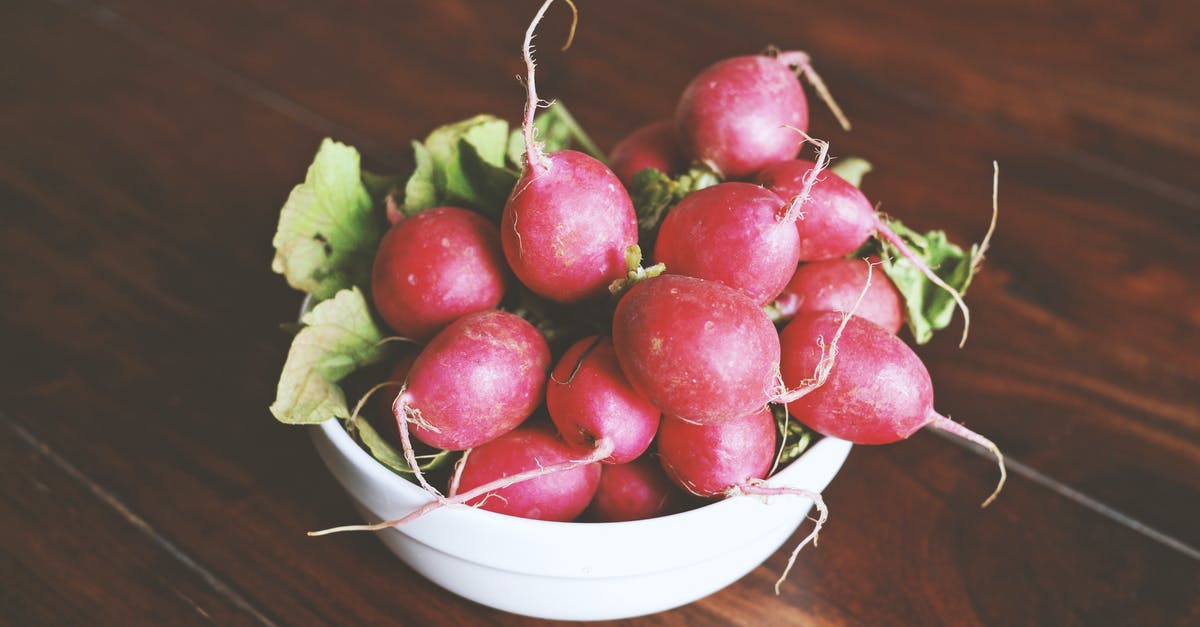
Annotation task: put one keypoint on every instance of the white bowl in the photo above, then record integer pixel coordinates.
(578, 571)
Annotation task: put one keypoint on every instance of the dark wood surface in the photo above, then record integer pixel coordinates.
(148, 146)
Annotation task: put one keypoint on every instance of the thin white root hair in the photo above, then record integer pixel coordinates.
(757, 487)
(977, 260)
(362, 401)
(603, 450)
(828, 354)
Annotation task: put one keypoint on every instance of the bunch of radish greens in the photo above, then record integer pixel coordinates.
(525, 359)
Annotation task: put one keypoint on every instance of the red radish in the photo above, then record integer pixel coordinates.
(477, 379)
(637, 490)
(707, 460)
(735, 233)
(655, 146)
(838, 219)
(836, 285)
(527, 472)
(697, 349)
(568, 221)
(733, 115)
(560, 496)
(877, 391)
(434, 267)
(728, 459)
(590, 399)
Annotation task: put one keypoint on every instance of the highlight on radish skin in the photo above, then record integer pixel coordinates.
(568, 221)
(877, 391)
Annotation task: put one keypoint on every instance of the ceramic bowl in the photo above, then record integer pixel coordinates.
(579, 571)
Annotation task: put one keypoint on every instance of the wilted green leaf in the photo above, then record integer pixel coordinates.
(853, 169)
(461, 164)
(927, 307)
(338, 337)
(387, 454)
(328, 230)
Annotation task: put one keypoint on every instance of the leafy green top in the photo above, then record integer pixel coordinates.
(327, 230)
(338, 337)
(654, 193)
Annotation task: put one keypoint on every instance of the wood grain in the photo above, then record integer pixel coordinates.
(1115, 318)
(147, 152)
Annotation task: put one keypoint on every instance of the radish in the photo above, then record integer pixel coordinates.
(637, 490)
(735, 233)
(652, 146)
(733, 115)
(836, 285)
(567, 223)
(728, 459)
(528, 472)
(838, 219)
(589, 399)
(560, 495)
(877, 391)
(435, 267)
(696, 349)
(479, 378)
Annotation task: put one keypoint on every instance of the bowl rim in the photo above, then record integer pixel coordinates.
(392, 481)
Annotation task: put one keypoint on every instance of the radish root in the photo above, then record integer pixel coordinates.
(603, 450)
(977, 260)
(794, 212)
(534, 158)
(828, 355)
(939, 421)
(802, 62)
(404, 413)
(757, 487)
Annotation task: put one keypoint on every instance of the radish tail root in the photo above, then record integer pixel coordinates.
(603, 450)
(802, 62)
(912, 257)
(939, 421)
(404, 414)
(828, 355)
(756, 487)
(977, 259)
(794, 208)
(534, 159)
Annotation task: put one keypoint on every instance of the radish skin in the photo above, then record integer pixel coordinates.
(652, 146)
(877, 391)
(568, 221)
(696, 349)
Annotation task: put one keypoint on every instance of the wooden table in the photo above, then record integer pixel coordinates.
(147, 147)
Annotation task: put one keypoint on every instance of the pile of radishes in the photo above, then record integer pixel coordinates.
(566, 378)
